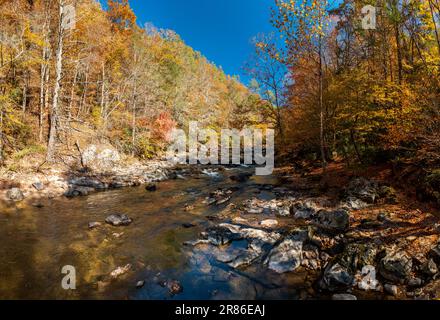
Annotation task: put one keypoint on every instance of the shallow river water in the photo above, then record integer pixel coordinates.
(35, 243)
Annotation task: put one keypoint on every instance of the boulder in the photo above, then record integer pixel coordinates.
(77, 191)
(430, 268)
(118, 220)
(389, 194)
(15, 194)
(353, 203)
(340, 273)
(363, 189)
(336, 221)
(396, 266)
(435, 253)
(88, 182)
(285, 257)
(304, 210)
(336, 277)
(100, 157)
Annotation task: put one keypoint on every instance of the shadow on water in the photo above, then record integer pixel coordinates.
(37, 242)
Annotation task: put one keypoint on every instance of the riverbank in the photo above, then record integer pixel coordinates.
(353, 236)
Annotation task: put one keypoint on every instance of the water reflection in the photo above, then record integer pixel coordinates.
(37, 242)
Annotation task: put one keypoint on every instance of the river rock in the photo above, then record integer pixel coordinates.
(140, 284)
(286, 257)
(396, 266)
(336, 277)
(151, 187)
(340, 273)
(269, 223)
(221, 235)
(174, 287)
(353, 203)
(15, 194)
(38, 186)
(77, 191)
(415, 283)
(241, 177)
(120, 271)
(363, 189)
(335, 221)
(88, 183)
(435, 253)
(391, 289)
(344, 297)
(304, 210)
(430, 268)
(118, 220)
(94, 225)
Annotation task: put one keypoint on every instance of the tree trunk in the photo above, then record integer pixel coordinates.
(321, 107)
(56, 93)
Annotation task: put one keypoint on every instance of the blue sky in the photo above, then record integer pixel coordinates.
(220, 29)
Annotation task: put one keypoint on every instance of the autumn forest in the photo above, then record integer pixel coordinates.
(90, 97)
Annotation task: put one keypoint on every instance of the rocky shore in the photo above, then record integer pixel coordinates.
(102, 168)
(363, 243)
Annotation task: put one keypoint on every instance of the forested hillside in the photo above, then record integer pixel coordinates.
(365, 95)
(128, 84)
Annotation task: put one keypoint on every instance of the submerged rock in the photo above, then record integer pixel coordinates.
(174, 287)
(151, 187)
(118, 220)
(120, 271)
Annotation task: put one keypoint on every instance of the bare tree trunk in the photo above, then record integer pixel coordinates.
(84, 94)
(134, 118)
(72, 91)
(437, 37)
(25, 89)
(56, 93)
(103, 90)
(321, 107)
(44, 70)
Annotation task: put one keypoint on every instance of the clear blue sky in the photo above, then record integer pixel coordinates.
(220, 29)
